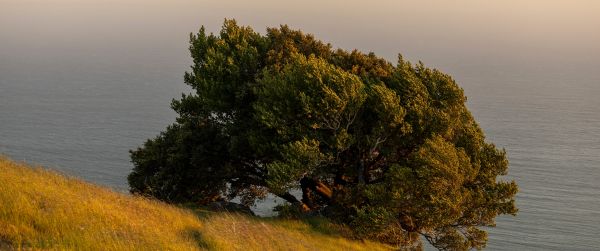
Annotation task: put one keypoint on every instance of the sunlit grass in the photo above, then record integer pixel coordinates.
(235, 232)
(40, 209)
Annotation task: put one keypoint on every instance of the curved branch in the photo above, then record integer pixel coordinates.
(309, 185)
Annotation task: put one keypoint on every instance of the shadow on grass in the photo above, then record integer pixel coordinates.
(201, 212)
(5, 245)
(315, 224)
(325, 226)
(196, 235)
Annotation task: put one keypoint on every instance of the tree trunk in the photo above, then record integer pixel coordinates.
(310, 185)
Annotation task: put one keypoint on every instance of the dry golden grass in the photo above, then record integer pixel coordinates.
(236, 232)
(43, 210)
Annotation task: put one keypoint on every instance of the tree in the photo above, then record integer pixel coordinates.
(390, 150)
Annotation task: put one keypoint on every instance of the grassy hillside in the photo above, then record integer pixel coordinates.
(40, 209)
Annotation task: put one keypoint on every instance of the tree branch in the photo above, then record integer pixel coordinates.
(313, 185)
(289, 198)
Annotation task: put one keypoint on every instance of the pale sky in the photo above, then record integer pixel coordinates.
(432, 31)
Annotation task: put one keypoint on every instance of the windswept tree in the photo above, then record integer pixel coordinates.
(388, 149)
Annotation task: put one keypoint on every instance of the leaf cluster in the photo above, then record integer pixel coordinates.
(388, 149)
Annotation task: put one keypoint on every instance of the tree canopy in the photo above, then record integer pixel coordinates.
(390, 150)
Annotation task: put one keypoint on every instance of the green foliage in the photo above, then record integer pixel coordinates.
(298, 158)
(389, 150)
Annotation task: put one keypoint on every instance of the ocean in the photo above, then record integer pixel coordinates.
(82, 83)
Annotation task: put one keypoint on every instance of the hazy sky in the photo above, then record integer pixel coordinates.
(440, 32)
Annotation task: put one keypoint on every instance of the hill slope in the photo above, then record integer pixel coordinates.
(42, 209)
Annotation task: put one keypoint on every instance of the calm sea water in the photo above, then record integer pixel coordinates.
(81, 83)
